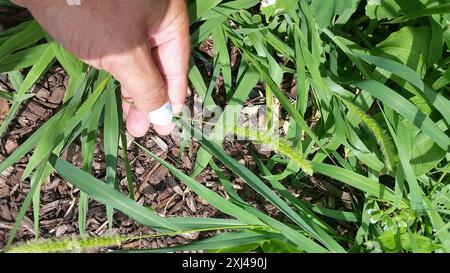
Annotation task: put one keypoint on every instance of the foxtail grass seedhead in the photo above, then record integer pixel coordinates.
(76, 244)
(79, 244)
(386, 145)
(279, 144)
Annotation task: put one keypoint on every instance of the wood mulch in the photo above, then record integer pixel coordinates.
(155, 186)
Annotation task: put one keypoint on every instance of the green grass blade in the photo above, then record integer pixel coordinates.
(72, 65)
(28, 36)
(24, 208)
(223, 56)
(439, 225)
(33, 76)
(105, 194)
(126, 161)
(111, 142)
(423, 12)
(22, 59)
(356, 180)
(211, 197)
(230, 115)
(441, 103)
(197, 10)
(88, 143)
(70, 118)
(5, 35)
(403, 143)
(224, 240)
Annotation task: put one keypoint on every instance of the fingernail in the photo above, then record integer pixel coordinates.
(161, 116)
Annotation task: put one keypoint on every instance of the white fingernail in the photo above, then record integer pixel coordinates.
(161, 116)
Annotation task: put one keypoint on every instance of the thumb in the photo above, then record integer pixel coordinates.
(137, 72)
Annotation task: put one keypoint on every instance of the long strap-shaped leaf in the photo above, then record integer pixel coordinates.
(356, 180)
(72, 115)
(407, 110)
(208, 195)
(105, 194)
(22, 59)
(230, 115)
(33, 76)
(31, 34)
(441, 103)
(224, 240)
(111, 142)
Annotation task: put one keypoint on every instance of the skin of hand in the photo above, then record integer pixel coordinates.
(144, 44)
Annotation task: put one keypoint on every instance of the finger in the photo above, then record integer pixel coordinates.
(137, 126)
(140, 77)
(171, 54)
(137, 123)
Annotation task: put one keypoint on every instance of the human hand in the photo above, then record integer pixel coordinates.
(144, 44)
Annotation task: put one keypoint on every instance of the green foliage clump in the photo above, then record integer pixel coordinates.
(366, 109)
